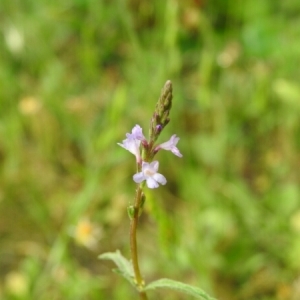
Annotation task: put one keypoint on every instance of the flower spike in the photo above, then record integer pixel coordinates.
(160, 117)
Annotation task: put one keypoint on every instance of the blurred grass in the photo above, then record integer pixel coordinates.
(76, 76)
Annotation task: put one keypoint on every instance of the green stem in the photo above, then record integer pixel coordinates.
(133, 244)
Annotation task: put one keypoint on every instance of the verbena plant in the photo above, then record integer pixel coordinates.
(147, 174)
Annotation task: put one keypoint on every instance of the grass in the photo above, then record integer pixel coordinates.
(76, 76)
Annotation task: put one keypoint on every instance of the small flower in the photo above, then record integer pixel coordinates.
(133, 142)
(170, 145)
(132, 146)
(86, 233)
(136, 133)
(149, 173)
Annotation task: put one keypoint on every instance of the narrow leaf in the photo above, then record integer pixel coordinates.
(179, 286)
(124, 266)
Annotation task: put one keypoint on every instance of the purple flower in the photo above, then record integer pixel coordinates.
(132, 146)
(149, 173)
(136, 133)
(133, 142)
(170, 145)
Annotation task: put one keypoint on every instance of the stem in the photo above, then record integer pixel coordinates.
(133, 244)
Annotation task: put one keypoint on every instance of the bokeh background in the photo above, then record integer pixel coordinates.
(75, 76)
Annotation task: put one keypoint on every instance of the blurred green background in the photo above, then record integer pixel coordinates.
(75, 76)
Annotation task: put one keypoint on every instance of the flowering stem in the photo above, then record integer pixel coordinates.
(133, 244)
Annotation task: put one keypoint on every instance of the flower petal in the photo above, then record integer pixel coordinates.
(160, 178)
(151, 183)
(139, 177)
(154, 166)
(136, 133)
(176, 152)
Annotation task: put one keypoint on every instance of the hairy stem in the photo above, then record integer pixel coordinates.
(133, 244)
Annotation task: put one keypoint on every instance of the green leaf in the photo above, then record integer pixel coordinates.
(124, 266)
(131, 211)
(178, 286)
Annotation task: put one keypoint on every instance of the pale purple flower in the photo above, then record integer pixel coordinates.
(133, 146)
(136, 133)
(133, 142)
(149, 173)
(170, 145)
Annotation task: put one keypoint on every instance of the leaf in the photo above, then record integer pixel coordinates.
(178, 286)
(124, 266)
